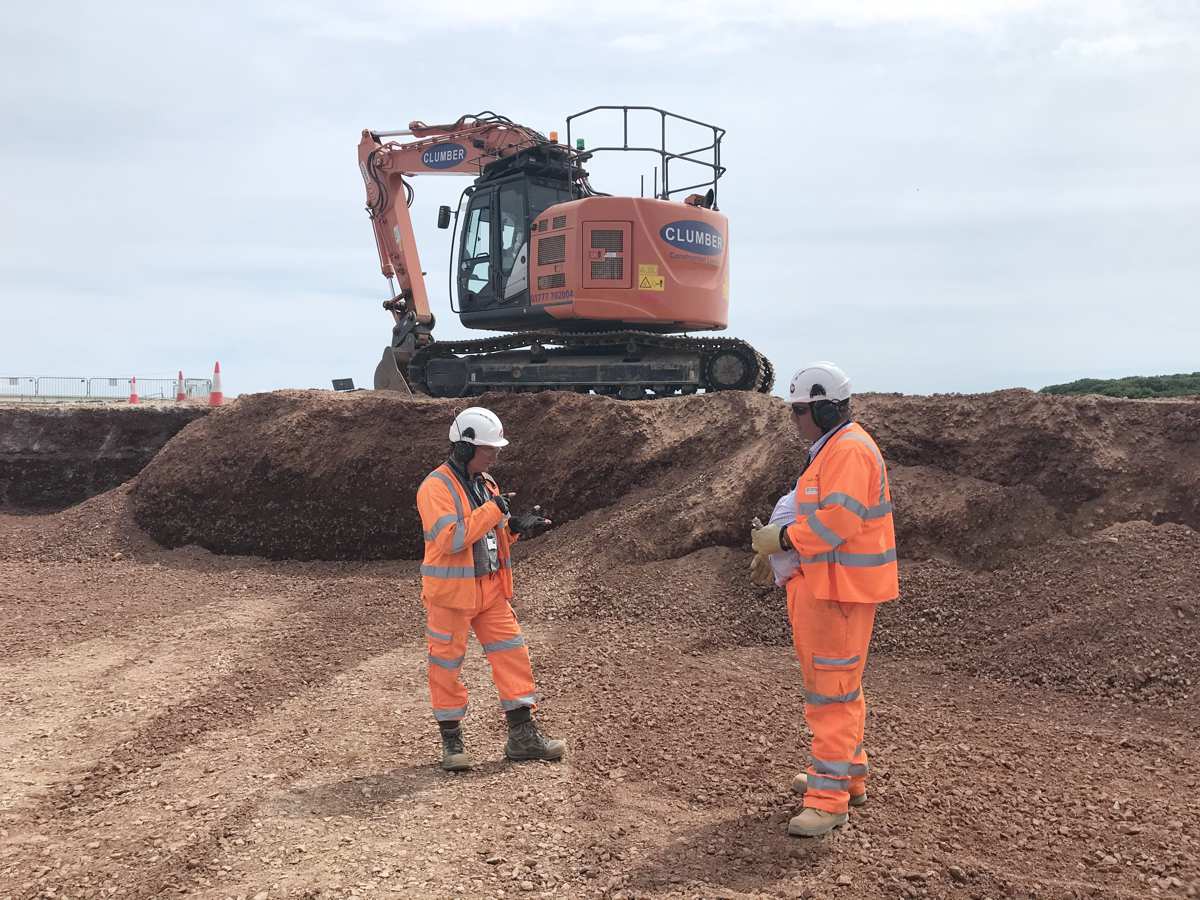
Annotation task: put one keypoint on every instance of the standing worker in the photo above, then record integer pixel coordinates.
(466, 584)
(845, 541)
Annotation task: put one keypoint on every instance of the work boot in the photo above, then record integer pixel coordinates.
(800, 786)
(815, 822)
(454, 756)
(526, 742)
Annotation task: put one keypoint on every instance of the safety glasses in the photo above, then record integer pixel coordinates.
(800, 409)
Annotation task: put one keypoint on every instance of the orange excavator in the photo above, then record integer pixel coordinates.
(591, 292)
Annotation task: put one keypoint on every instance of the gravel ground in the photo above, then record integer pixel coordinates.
(182, 723)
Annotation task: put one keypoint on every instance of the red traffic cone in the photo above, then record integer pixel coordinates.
(216, 397)
(133, 397)
(180, 394)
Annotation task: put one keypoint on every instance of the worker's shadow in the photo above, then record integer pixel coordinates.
(748, 853)
(364, 795)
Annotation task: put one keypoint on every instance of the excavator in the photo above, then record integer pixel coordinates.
(590, 292)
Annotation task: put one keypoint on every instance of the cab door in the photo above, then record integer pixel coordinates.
(512, 239)
(476, 269)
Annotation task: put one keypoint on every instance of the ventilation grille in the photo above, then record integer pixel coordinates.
(560, 221)
(552, 250)
(612, 269)
(548, 282)
(543, 225)
(611, 240)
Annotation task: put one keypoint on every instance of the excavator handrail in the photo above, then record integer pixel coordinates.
(664, 154)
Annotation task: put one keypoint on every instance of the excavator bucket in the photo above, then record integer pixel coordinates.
(388, 376)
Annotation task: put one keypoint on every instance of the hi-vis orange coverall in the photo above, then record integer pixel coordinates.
(466, 584)
(847, 545)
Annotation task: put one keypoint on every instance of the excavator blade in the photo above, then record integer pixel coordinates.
(388, 376)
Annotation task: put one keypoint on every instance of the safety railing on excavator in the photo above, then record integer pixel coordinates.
(59, 388)
(666, 156)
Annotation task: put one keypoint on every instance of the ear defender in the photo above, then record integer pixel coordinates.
(462, 452)
(825, 414)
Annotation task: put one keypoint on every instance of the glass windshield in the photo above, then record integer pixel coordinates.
(479, 231)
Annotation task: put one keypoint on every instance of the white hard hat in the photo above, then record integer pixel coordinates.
(819, 381)
(478, 426)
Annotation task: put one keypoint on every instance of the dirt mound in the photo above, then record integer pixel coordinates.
(1065, 581)
(1095, 460)
(977, 479)
(52, 457)
(100, 527)
(313, 475)
(1115, 614)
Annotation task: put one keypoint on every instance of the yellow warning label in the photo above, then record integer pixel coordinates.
(652, 283)
(650, 269)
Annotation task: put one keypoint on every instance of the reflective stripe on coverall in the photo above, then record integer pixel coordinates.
(460, 594)
(846, 540)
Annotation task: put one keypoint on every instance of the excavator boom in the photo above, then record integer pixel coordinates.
(464, 147)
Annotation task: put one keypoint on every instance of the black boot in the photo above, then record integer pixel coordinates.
(526, 742)
(454, 756)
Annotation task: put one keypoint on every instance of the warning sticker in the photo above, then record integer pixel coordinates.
(649, 279)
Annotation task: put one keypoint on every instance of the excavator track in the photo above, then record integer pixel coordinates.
(629, 364)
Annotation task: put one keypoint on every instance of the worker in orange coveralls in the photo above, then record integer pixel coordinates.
(845, 545)
(466, 584)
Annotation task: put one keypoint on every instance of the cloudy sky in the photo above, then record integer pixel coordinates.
(940, 195)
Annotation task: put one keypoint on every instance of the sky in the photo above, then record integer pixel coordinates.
(940, 196)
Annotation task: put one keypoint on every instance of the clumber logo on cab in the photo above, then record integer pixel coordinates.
(694, 237)
(443, 156)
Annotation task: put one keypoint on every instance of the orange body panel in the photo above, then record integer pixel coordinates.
(640, 261)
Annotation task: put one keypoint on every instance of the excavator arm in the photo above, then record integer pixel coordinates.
(459, 148)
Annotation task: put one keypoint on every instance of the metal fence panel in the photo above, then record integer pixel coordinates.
(53, 388)
(108, 388)
(197, 388)
(156, 388)
(17, 387)
(59, 387)
(119, 388)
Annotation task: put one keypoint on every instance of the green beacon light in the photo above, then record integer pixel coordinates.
(579, 143)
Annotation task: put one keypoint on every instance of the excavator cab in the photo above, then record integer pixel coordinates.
(494, 243)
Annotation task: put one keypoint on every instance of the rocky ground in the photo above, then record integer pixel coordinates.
(177, 722)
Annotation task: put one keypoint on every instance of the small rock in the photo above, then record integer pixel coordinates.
(261, 895)
(957, 875)
(527, 885)
(844, 881)
(494, 860)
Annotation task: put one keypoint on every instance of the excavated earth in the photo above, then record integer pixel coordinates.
(51, 457)
(213, 679)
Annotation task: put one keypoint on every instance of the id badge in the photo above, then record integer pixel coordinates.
(493, 545)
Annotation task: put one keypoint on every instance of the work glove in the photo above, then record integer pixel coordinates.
(767, 539)
(501, 501)
(530, 524)
(761, 572)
